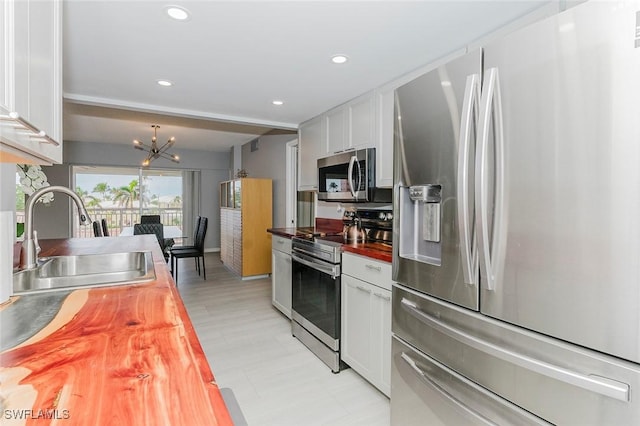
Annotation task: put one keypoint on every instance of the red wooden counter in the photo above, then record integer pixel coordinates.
(125, 355)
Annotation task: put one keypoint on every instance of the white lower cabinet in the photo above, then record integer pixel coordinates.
(366, 319)
(281, 274)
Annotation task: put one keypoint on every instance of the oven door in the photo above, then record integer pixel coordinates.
(315, 298)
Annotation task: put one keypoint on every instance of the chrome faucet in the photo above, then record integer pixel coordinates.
(30, 246)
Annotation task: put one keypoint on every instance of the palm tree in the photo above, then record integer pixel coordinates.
(127, 195)
(88, 199)
(103, 189)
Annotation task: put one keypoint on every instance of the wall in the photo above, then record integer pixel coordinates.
(269, 161)
(213, 167)
(7, 186)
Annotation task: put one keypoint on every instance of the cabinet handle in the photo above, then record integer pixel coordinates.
(38, 134)
(373, 267)
(363, 289)
(382, 296)
(280, 242)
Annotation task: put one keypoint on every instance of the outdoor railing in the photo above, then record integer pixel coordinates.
(118, 218)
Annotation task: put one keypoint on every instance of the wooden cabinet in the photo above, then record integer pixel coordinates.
(281, 274)
(245, 216)
(310, 143)
(31, 86)
(366, 318)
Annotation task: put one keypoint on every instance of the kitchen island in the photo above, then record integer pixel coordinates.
(125, 355)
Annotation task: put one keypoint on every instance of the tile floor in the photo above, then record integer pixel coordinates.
(275, 378)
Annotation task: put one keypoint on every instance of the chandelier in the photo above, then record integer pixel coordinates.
(154, 151)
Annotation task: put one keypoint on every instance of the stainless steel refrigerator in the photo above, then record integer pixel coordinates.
(517, 229)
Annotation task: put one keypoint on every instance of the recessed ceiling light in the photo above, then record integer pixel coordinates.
(277, 102)
(339, 59)
(178, 13)
(165, 83)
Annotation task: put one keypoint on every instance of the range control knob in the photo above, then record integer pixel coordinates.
(382, 215)
(389, 216)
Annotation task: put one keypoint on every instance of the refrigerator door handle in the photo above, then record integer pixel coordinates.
(601, 385)
(350, 180)
(435, 386)
(491, 249)
(466, 233)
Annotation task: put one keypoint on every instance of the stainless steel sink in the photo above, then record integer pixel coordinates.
(90, 270)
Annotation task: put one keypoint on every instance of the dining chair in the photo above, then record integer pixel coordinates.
(152, 228)
(97, 232)
(105, 228)
(150, 218)
(195, 251)
(192, 246)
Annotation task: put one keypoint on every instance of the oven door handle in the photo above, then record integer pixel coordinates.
(333, 270)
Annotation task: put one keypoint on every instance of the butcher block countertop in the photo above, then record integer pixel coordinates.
(125, 355)
(374, 250)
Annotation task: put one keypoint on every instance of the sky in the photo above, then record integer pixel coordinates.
(158, 185)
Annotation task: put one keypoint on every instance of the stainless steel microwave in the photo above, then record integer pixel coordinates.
(351, 177)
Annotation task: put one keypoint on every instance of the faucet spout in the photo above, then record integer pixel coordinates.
(30, 247)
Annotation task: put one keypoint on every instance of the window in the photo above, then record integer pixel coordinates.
(121, 195)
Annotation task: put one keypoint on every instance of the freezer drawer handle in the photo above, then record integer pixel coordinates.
(602, 385)
(406, 358)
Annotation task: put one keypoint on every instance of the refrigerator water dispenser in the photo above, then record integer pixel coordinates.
(420, 211)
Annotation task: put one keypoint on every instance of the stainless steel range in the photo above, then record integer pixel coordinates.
(316, 259)
(315, 303)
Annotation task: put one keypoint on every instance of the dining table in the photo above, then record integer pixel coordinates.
(170, 231)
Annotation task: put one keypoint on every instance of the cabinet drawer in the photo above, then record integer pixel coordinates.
(282, 244)
(367, 269)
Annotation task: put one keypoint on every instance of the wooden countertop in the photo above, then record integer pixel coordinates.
(377, 251)
(125, 355)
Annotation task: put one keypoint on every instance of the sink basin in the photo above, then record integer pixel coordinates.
(90, 270)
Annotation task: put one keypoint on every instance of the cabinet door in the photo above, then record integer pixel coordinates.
(384, 135)
(336, 131)
(381, 337)
(281, 281)
(361, 119)
(356, 342)
(309, 149)
(31, 83)
(6, 58)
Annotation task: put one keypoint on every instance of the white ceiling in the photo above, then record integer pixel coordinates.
(232, 58)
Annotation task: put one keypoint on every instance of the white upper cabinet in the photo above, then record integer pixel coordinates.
(350, 126)
(336, 131)
(361, 119)
(311, 140)
(384, 135)
(31, 84)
